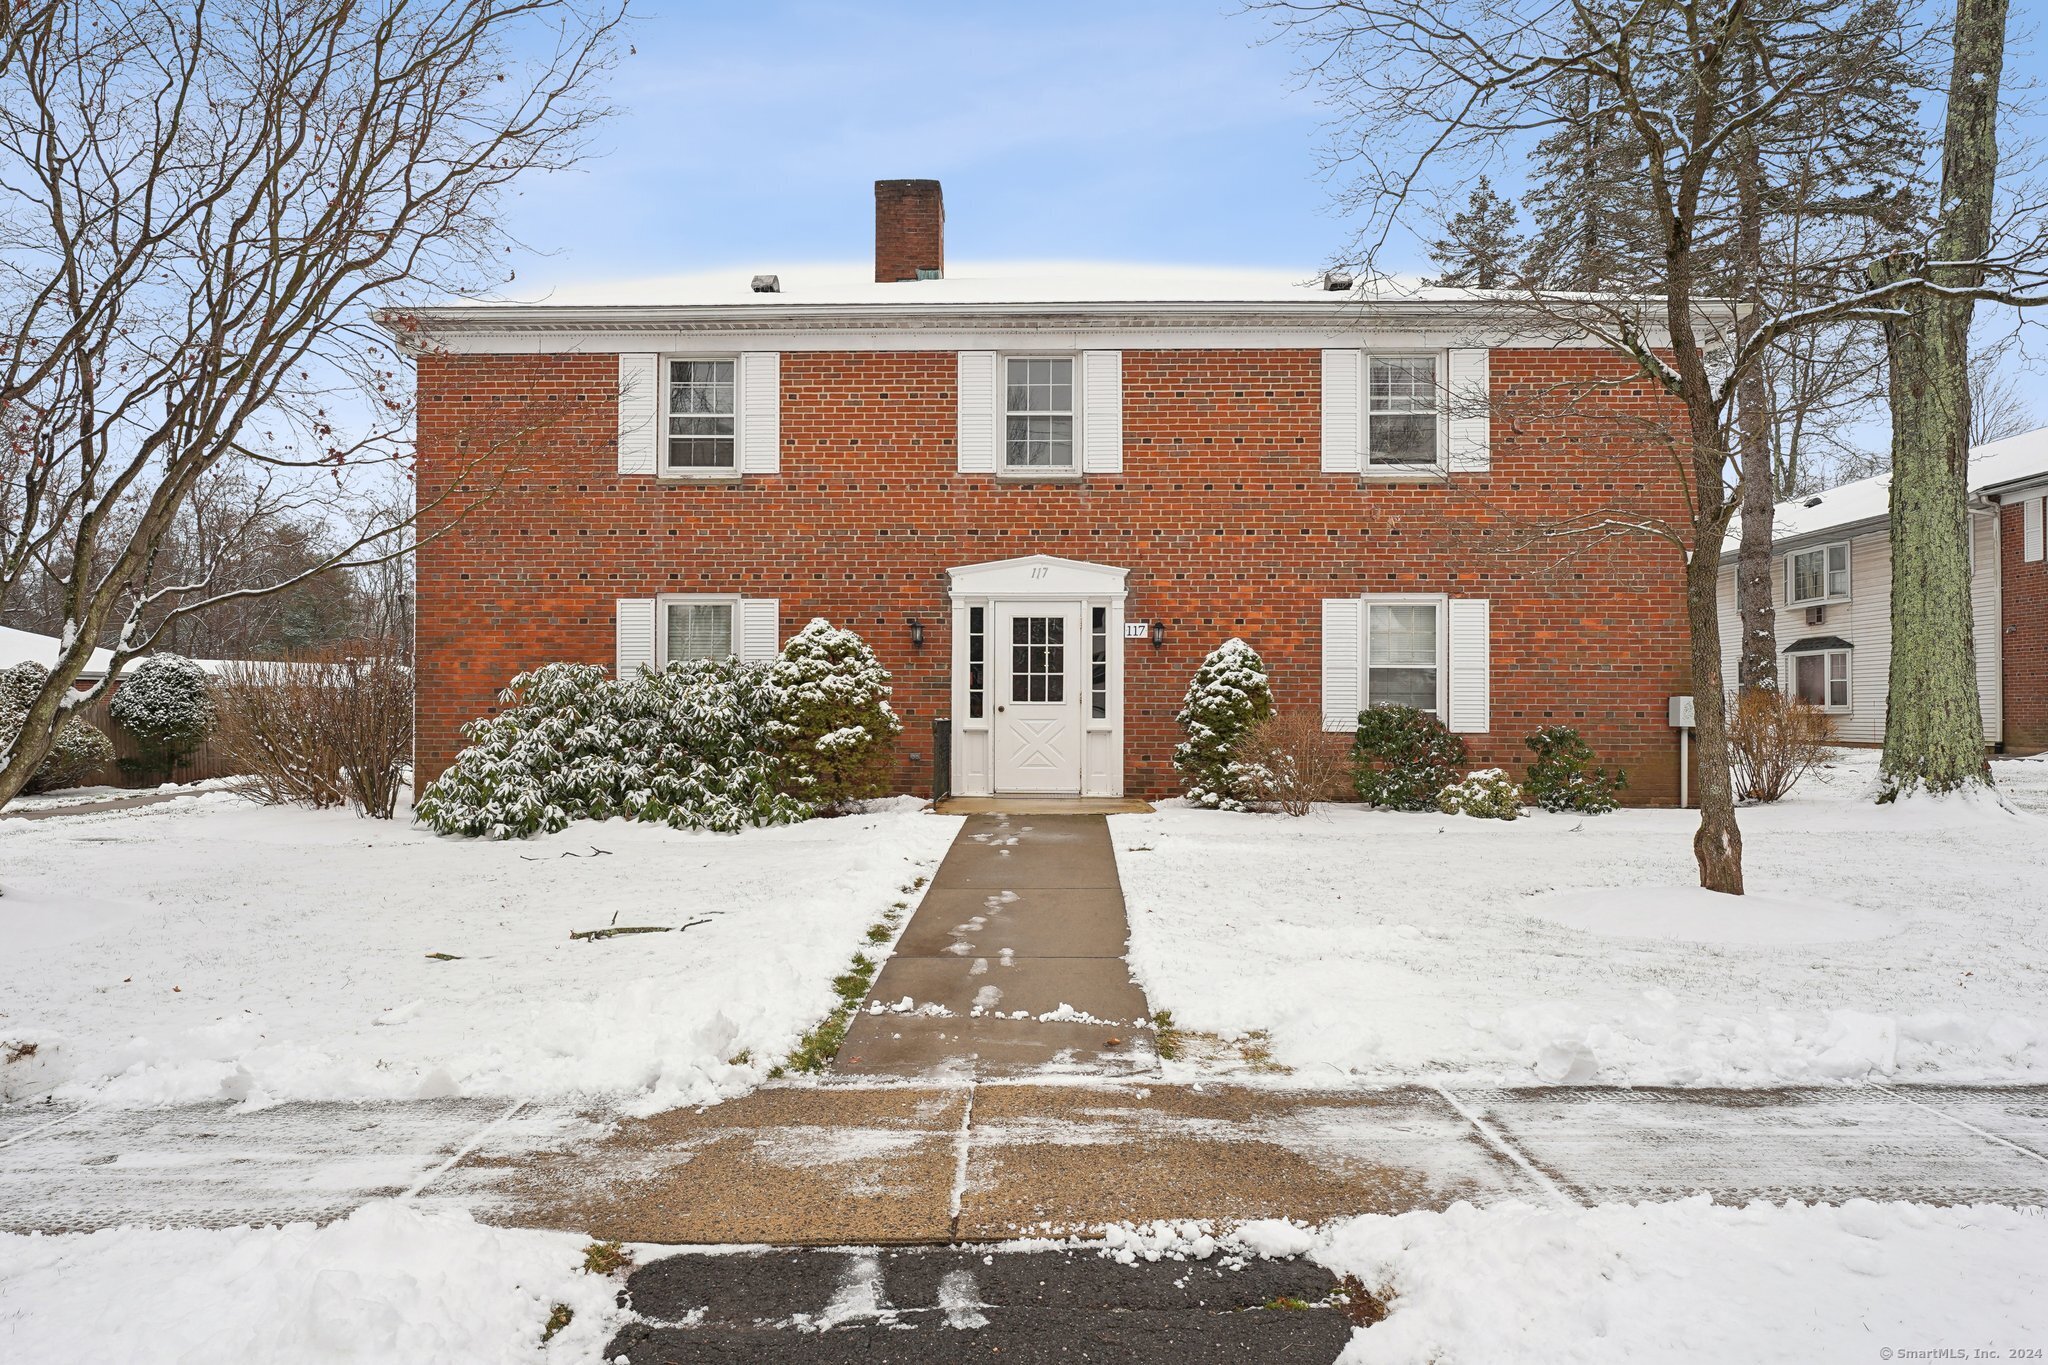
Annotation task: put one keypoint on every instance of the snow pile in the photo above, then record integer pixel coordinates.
(389, 1283)
(1694, 1281)
(1904, 942)
(226, 950)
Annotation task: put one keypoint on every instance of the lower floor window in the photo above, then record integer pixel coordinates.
(698, 630)
(1822, 679)
(1401, 656)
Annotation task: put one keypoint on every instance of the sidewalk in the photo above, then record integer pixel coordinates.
(1017, 952)
(868, 1164)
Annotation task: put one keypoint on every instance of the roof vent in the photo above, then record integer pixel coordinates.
(1336, 281)
(767, 284)
(1812, 502)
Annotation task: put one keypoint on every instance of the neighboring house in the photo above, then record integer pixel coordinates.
(1831, 584)
(26, 646)
(1043, 498)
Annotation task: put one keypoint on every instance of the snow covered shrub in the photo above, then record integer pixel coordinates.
(836, 700)
(165, 704)
(1563, 777)
(1772, 740)
(1489, 794)
(697, 745)
(1403, 757)
(1290, 764)
(1228, 696)
(79, 750)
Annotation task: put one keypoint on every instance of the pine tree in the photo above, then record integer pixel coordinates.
(1480, 248)
(1227, 697)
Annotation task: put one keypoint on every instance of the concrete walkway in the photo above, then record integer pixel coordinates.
(866, 1164)
(95, 807)
(1020, 942)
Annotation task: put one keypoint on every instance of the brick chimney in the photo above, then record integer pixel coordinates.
(910, 229)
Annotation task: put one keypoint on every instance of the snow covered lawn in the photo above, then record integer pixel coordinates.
(1908, 943)
(1696, 1281)
(389, 1283)
(210, 948)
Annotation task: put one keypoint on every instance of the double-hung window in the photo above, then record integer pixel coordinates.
(1402, 413)
(1038, 414)
(1818, 575)
(1403, 654)
(1821, 678)
(697, 628)
(700, 417)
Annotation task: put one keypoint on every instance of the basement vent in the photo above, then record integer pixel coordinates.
(767, 284)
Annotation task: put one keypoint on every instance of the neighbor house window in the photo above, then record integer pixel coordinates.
(1817, 575)
(1038, 432)
(697, 628)
(700, 415)
(1402, 663)
(1401, 412)
(1821, 678)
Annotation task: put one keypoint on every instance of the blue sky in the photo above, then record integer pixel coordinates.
(752, 134)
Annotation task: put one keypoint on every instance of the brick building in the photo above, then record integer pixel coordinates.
(1831, 585)
(1043, 499)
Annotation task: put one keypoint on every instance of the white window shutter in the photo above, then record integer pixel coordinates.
(635, 635)
(1471, 435)
(2030, 528)
(760, 407)
(1341, 657)
(1471, 689)
(760, 629)
(1343, 434)
(639, 391)
(978, 429)
(1102, 416)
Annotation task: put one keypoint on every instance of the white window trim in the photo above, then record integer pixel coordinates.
(1825, 599)
(1005, 471)
(1382, 473)
(662, 468)
(1791, 664)
(676, 599)
(1441, 601)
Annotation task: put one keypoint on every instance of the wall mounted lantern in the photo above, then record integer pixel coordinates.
(1158, 634)
(916, 633)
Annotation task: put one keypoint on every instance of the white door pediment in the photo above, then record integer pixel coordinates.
(1038, 576)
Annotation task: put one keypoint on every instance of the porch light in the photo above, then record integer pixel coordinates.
(916, 633)
(1158, 634)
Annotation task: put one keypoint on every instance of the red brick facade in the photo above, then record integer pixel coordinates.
(1221, 515)
(2024, 642)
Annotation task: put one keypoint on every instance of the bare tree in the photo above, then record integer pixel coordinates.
(1439, 87)
(199, 205)
(2000, 405)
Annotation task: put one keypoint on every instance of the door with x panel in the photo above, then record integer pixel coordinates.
(1038, 693)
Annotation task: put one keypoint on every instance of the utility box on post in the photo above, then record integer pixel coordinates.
(1680, 711)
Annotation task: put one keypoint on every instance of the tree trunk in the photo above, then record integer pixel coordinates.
(1757, 664)
(1717, 844)
(1934, 736)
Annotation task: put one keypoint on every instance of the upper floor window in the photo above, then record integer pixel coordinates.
(1403, 658)
(697, 628)
(1038, 413)
(1401, 412)
(1820, 574)
(700, 416)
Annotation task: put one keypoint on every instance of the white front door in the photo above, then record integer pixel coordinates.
(1038, 693)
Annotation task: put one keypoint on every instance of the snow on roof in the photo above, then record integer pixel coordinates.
(1991, 465)
(972, 282)
(25, 646)
(21, 646)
